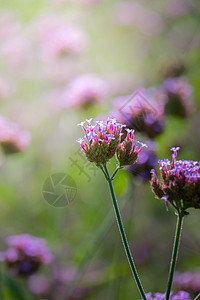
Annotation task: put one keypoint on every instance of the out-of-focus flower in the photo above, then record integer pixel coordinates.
(179, 183)
(26, 254)
(13, 44)
(140, 111)
(173, 69)
(130, 13)
(57, 38)
(12, 138)
(178, 7)
(103, 141)
(83, 91)
(145, 162)
(56, 287)
(181, 295)
(15, 50)
(179, 96)
(187, 281)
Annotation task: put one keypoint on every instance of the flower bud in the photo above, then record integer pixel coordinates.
(127, 151)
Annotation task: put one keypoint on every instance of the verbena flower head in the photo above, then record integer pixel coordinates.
(187, 281)
(145, 162)
(179, 96)
(103, 140)
(26, 254)
(140, 111)
(127, 151)
(159, 296)
(179, 183)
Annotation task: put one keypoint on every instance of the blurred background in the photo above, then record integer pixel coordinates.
(64, 61)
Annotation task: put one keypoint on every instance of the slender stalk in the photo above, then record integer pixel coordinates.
(197, 297)
(115, 172)
(100, 233)
(124, 238)
(177, 237)
(105, 174)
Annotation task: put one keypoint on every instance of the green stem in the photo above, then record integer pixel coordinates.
(100, 233)
(124, 238)
(113, 175)
(197, 297)
(177, 237)
(105, 174)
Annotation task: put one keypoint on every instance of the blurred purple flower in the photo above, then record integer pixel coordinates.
(140, 111)
(187, 281)
(56, 286)
(83, 91)
(131, 13)
(178, 7)
(12, 138)
(181, 295)
(179, 96)
(58, 38)
(26, 254)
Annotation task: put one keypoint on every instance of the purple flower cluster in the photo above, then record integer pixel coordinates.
(140, 111)
(179, 96)
(26, 254)
(159, 296)
(145, 162)
(104, 139)
(179, 183)
(187, 281)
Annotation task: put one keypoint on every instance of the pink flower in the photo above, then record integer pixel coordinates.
(14, 50)
(58, 38)
(178, 7)
(104, 139)
(130, 13)
(12, 138)
(26, 254)
(83, 91)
